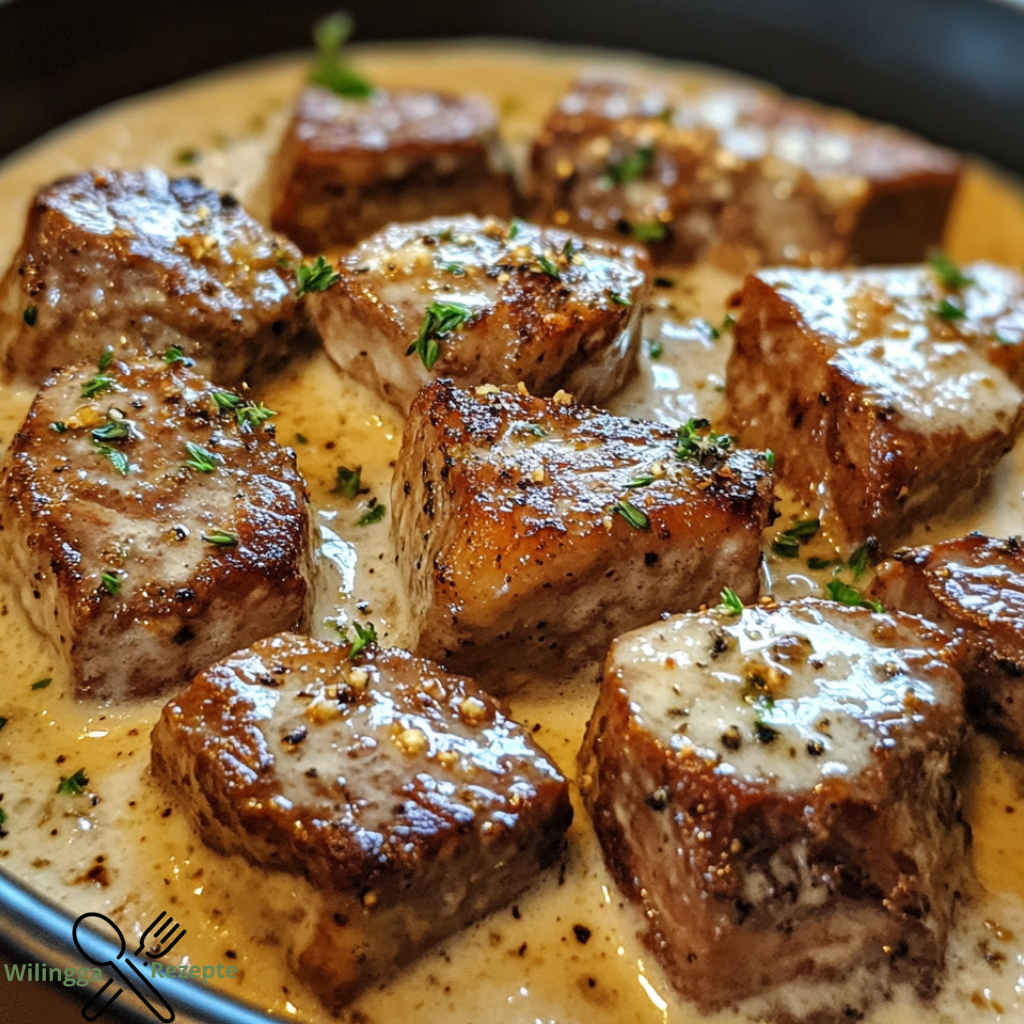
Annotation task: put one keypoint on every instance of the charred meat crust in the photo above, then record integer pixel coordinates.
(506, 530)
(973, 588)
(737, 173)
(405, 795)
(544, 306)
(172, 600)
(175, 263)
(747, 885)
(348, 167)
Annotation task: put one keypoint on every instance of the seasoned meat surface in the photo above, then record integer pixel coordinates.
(485, 301)
(532, 531)
(737, 174)
(407, 797)
(879, 384)
(150, 529)
(347, 167)
(773, 788)
(973, 588)
(141, 262)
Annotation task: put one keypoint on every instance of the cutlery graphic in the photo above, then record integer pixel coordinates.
(161, 935)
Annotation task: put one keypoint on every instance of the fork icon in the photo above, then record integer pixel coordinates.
(161, 935)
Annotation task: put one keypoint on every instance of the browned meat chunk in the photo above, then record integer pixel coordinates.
(347, 167)
(876, 384)
(405, 795)
(133, 260)
(773, 789)
(532, 531)
(484, 301)
(973, 588)
(152, 525)
(737, 173)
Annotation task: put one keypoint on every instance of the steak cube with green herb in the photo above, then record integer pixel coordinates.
(881, 391)
(348, 166)
(532, 531)
(773, 787)
(143, 263)
(485, 301)
(151, 524)
(735, 173)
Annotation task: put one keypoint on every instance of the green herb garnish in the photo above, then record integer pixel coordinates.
(316, 277)
(59, 427)
(629, 168)
(31, 315)
(106, 359)
(117, 459)
(548, 266)
(373, 515)
(949, 310)
(655, 349)
(365, 635)
(664, 282)
(221, 538)
(690, 444)
(111, 583)
(97, 385)
(636, 517)
(731, 603)
(620, 300)
(331, 69)
(727, 325)
(859, 560)
(199, 459)
(787, 544)
(454, 268)
(440, 320)
(114, 430)
(347, 481)
(818, 563)
(641, 481)
(75, 785)
(851, 596)
(253, 415)
(42, 684)
(175, 355)
(649, 231)
(226, 401)
(948, 271)
(513, 229)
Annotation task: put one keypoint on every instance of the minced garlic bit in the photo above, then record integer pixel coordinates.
(412, 741)
(538, 475)
(370, 900)
(523, 389)
(486, 389)
(658, 470)
(607, 522)
(448, 759)
(562, 398)
(86, 416)
(357, 678)
(472, 710)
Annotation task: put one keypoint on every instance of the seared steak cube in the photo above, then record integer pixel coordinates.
(347, 167)
(543, 528)
(151, 524)
(973, 588)
(876, 384)
(143, 263)
(773, 789)
(737, 173)
(484, 301)
(404, 794)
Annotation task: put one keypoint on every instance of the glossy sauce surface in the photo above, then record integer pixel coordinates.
(129, 854)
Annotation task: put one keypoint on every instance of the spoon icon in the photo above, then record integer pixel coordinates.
(135, 980)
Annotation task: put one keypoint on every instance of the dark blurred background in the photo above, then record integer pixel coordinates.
(950, 69)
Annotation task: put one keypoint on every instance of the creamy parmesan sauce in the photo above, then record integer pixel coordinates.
(123, 849)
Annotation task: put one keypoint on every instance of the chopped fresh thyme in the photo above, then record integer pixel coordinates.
(42, 684)
(331, 69)
(111, 583)
(440, 320)
(60, 427)
(787, 544)
(620, 300)
(221, 538)
(818, 563)
(948, 271)
(548, 266)
(569, 250)
(513, 229)
(731, 603)
(74, 785)
(727, 325)
(373, 515)
(347, 481)
(365, 635)
(253, 415)
(649, 231)
(226, 401)
(845, 594)
(97, 385)
(175, 355)
(769, 457)
(949, 310)
(113, 430)
(709, 447)
(641, 481)
(859, 560)
(117, 459)
(636, 517)
(31, 315)
(106, 359)
(454, 268)
(199, 459)
(664, 282)
(301, 439)
(315, 277)
(629, 168)
(655, 348)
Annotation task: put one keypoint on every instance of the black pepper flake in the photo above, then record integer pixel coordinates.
(731, 738)
(296, 736)
(658, 800)
(515, 912)
(582, 933)
(815, 748)
(765, 733)
(311, 773)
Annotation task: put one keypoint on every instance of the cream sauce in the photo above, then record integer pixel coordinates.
(525, 963)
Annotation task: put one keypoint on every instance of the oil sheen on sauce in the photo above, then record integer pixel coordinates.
(567, 950)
